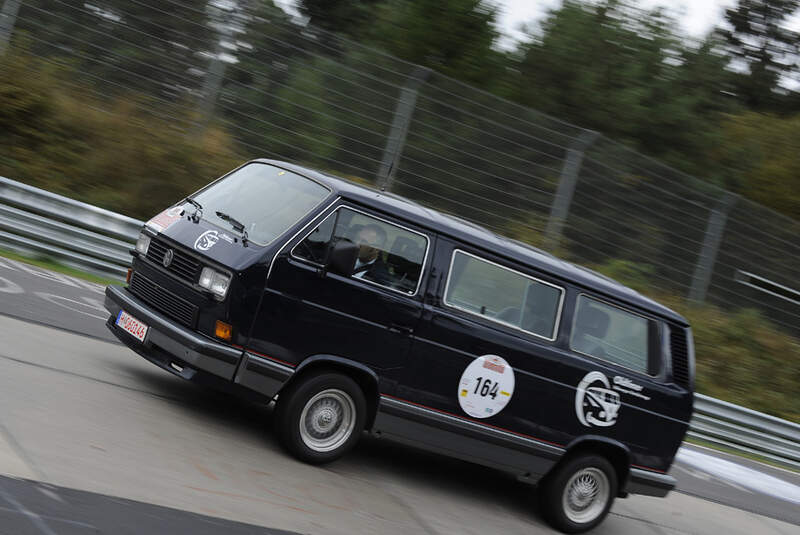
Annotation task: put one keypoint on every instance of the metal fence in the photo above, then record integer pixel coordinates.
(745, 430)
(300, 94)
(296, 93)
(78, 234)
(94, 239)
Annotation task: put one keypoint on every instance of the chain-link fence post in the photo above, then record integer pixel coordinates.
(400, 123)
(711, 241)
(8, 18)
(566, 187)
(216, 73)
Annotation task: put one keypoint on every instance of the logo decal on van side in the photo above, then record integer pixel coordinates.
(626, 386)
(596, 404)
(206, 240)
(486, 386)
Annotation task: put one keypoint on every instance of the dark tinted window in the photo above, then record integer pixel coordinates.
(503, 295)
(610, 333)
(389, 255)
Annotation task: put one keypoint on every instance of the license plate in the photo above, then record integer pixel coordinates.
(131, 325)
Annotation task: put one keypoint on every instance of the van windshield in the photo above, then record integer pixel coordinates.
(266, 199)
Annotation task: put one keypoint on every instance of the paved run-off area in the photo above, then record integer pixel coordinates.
(81, 414)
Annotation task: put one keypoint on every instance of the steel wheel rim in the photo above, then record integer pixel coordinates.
(586, 495)
(327, 420)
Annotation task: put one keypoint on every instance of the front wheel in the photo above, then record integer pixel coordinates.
(320, 418)
(577, 496)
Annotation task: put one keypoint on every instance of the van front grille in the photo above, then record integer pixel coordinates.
(680, 356)
(183, 265)
(163, 300)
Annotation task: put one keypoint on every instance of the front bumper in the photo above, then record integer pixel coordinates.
(168, 345)
(649, 483)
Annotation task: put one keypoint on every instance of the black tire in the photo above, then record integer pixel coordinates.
(564, 495)
(333, 422)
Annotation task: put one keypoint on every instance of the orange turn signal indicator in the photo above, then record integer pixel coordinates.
(223, 330)
(128, 276)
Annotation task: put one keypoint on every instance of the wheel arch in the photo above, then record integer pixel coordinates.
(366, 378)
(614, 451)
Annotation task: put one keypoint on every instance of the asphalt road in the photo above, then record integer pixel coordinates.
(104, 442)
(42, 296)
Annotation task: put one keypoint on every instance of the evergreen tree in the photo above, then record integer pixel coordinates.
(453, 37)
(347, 17)
(759, 42)
(628, 74)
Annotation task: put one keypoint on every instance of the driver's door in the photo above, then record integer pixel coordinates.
(309, 310)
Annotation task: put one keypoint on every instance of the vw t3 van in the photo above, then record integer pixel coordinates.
(356, 310)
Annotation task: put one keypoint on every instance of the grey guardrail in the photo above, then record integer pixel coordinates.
(76, 233)
(98, 240)
(745, 430)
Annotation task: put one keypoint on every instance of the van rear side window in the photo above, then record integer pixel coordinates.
(612, 334)
(503, 295)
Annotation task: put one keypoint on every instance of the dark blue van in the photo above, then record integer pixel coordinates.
(356, 310)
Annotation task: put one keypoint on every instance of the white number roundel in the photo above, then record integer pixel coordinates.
(486, 386)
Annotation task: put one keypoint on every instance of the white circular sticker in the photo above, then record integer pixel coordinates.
(486, 386)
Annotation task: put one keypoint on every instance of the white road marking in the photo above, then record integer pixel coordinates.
(9, 287)
(699, 474)
(33, 517)
(50, 494)
(45, 274)
(86, 303)
(754, 461)
(736, 474)
(73, 282)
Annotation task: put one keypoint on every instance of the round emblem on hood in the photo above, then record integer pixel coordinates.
(206, 240)
(168, 256)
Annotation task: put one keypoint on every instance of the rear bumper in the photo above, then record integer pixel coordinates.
(649, 483)
(168, 345)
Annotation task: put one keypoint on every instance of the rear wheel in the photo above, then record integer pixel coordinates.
(577, 496)
(321, 417)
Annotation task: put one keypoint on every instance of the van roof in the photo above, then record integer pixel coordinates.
(483, 238)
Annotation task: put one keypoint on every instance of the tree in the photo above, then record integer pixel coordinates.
(762, 152)
(453, 37)
(346, 17)
(760, 44)
(628, 74)
(152, 47)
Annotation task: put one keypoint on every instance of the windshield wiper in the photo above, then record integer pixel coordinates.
(198, 209)
(236, 224)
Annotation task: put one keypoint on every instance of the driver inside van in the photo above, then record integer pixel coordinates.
(371, 240)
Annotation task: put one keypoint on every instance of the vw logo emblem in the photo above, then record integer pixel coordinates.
(168, 256)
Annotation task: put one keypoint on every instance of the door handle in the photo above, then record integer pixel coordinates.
(401, 329)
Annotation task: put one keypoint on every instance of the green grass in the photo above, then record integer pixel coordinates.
(737, 453)
(54, 265)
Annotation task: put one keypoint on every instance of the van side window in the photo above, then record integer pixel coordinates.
(611, 334)
(388, 255)
(503, 295)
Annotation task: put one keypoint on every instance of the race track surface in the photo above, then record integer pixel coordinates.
(94, 439)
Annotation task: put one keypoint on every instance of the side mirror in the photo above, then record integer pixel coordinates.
(342, 257)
